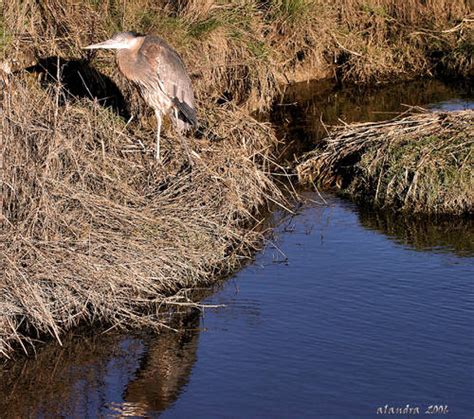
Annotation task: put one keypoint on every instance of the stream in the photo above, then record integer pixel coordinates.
(345, 312)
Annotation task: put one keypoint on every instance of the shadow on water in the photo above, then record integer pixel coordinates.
(78, 79)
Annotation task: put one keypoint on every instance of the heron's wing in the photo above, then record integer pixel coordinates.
(186, 110)
(172, 76)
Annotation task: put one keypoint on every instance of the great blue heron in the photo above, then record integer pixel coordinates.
(160, 74)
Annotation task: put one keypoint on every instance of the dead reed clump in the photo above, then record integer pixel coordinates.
(422, 163)
(95, 231)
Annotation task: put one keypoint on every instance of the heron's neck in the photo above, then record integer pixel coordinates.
(127, 60)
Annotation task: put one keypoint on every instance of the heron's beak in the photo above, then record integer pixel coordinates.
(109, 44)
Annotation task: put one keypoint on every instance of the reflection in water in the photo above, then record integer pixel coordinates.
(69, 379)
(454, 234)
(166, 369)
(99, 376)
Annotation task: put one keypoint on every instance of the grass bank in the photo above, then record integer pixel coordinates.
(418, 163)
(93, 231)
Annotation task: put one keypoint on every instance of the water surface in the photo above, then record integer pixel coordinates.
(337, 321)
(305, 112)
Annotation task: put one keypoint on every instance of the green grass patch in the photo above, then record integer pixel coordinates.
(5, 37)
(259, 49)
(292, 10)
(200, 30)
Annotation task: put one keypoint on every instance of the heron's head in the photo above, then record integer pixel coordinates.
(121, 40)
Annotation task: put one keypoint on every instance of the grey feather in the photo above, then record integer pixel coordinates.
(173, 78)
(186, 111)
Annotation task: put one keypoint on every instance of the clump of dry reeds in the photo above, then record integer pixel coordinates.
(95, 230)
(422, 163)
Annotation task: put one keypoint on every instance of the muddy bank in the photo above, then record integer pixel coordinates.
(93, 231)
(418, 163)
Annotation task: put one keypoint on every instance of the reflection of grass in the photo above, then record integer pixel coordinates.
(453, 234)
(60, 372)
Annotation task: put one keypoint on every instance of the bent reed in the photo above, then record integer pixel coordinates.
(93, 230)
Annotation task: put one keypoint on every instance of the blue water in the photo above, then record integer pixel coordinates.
(351, 322)
(337, 317)
(453, 105)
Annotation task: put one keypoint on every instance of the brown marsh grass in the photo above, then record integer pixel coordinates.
(95, 230)
(243, 49)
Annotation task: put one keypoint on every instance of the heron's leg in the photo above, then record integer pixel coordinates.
(181, 137)
(158, 133)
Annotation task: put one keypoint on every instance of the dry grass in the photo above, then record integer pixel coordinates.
(386, 40)
(243, 49)
(95, 230)
(422, 163)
